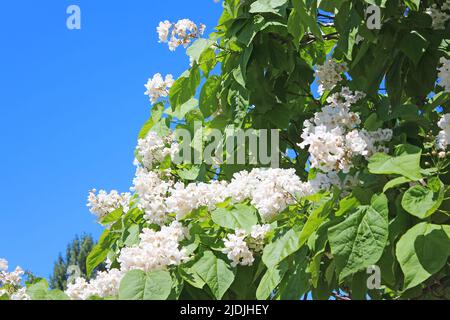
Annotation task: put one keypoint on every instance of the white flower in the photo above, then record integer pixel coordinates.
(181, 33)
(257, 237)
(103, 203)
(157, 87)
(11, 278)
(332, 137)
(329, 75)
(157, 250)
(237, 250)
(163, 30)
(152, 150)
(443, 138)
(152, 192)
(438, 16)
(20, 294)
(444, 74)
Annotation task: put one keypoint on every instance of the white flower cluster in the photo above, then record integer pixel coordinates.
(240, 246)
(157, 87)
(439, 15)
(333, 139)
(12, 280)
(105, 284)
(152, 192)
(329, 75)
(156, 250)
(444, 74)
(179, 33)
(103, 203)
(152, 150)
(443, 139)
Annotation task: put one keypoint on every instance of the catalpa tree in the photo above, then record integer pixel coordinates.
(356, 203)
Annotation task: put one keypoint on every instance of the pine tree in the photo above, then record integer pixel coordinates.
(74, 263)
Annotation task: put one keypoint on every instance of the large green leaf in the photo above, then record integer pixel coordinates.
(140, 285)
(209, 101)
(184, 88)
(423, 251)
(405, 162)
(198, 47)
(240, 217)
(421, 201)
(100, 250)
(281, 248)
(266, 6)
(271, 280)
(215, 272)
(359, 241)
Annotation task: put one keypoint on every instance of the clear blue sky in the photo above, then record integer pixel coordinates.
(71, 105)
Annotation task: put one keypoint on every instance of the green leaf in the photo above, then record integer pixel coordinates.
(112, 216)
(422, 251)
(157, 112)
(100, 251)
(414, 46)
(198, 47)
(185, 108)
(406, 162)
(296, 283)
(267, 6)
(359, 241)
(271, 280)
(281, 248)
(209, 101)
(295, 26)
(421, 201)
(240, 217)
(395, 183)
(184, 88)
(413, 4)
(140, 285)
(215, 272)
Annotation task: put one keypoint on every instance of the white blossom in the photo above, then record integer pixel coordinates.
(20, 295)
(102, 203)
(152, 150)
(439, 15)
(443, 138)
(237, 250)
(157, 87)
(444, 74)
(156, 250)
(329, 75)
(180, 33)
(13, 278)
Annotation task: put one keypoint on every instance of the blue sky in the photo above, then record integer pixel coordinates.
(71, 106)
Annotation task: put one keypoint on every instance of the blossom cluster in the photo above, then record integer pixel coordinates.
(439, 15)
(179, 33)
(443, 138)
(106, 284)
(444, 74)
(329, 75)
(156, 250)
(152, 150)
(10, 282)
(158, 87)
(239, 247)
(102, 203)
(333, 139)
